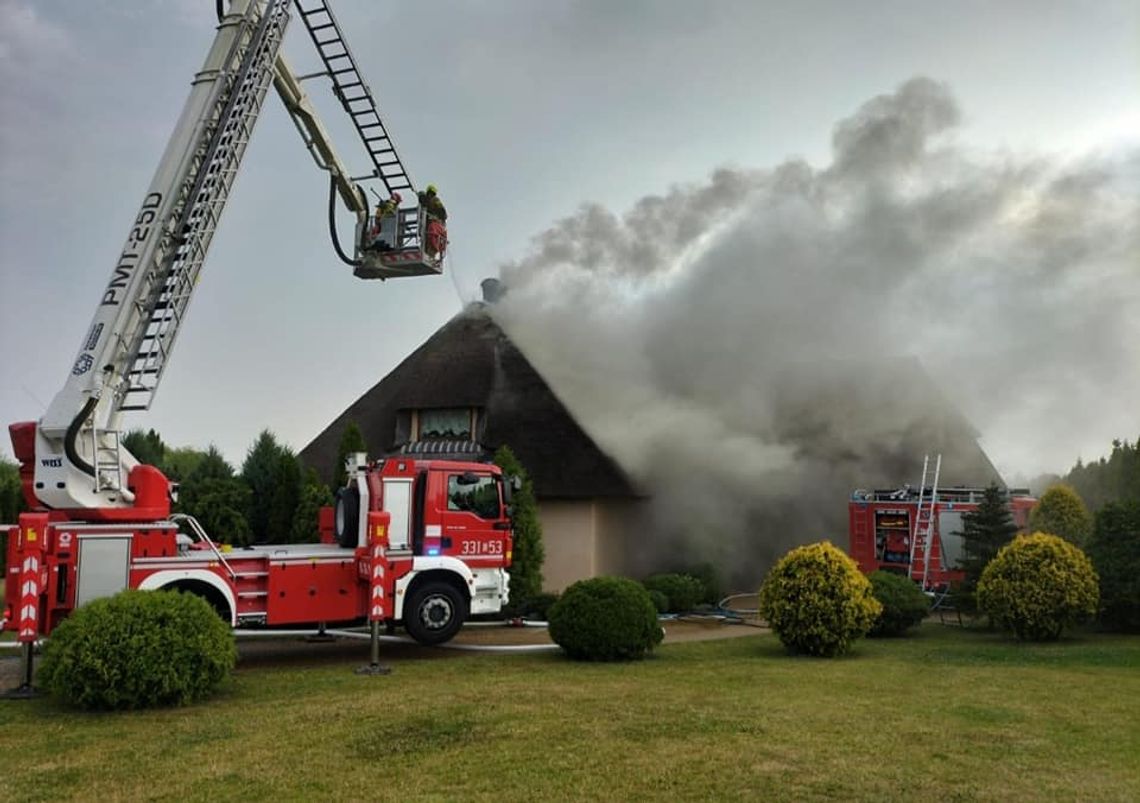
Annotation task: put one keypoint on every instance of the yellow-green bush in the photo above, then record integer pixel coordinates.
(817, 601)
(1038, 585)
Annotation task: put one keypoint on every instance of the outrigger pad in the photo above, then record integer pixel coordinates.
(394, 264)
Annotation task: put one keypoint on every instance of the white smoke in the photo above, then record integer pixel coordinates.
(747, 348)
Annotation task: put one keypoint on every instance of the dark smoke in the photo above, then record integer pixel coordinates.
(754, 348)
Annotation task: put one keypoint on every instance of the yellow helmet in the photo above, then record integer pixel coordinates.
(431, 190)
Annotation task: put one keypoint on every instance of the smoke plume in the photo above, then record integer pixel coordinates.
(753, 348)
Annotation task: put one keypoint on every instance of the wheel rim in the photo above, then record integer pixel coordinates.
(436, 612)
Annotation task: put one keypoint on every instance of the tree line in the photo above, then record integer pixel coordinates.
(1096, 507)
(1115, 479)
(270, 499)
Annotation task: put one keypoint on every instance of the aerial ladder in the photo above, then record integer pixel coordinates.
(922, 536)
(72, 460)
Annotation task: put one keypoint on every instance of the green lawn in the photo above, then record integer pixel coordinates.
(946, 715)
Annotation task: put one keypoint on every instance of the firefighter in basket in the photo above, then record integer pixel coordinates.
(435, 215)
(385, 222)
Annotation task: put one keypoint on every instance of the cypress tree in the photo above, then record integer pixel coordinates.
(260, 472)
(526, 562)
(147, 447)
(213, 495)
(984, 531)
(314, 495)
(351, 440)
(284, 499)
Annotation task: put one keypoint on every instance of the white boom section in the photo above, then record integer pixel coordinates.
(316, 137)
(126, 348)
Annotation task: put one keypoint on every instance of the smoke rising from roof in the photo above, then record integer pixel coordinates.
(753, 348)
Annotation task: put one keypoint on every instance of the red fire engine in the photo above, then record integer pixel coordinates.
(916, 531)
(424, 543)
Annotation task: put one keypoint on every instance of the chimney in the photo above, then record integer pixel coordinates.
(493, 290)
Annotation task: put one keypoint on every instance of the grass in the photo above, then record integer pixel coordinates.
(945, 715)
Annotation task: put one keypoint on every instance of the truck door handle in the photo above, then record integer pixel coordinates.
(501, 525)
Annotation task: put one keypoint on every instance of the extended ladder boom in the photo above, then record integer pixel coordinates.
(78, 462)
(126, 348)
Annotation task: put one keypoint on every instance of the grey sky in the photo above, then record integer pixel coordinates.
(520, 112)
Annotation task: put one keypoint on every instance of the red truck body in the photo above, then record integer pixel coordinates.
(881, 526)
(445, 540)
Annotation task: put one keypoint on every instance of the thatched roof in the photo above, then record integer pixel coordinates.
(470, 362)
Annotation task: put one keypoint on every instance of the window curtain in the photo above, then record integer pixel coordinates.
(447, 424)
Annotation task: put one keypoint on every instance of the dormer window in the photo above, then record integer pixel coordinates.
(444, 424)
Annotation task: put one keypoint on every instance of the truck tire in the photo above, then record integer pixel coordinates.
(347, 517)
(435, 612)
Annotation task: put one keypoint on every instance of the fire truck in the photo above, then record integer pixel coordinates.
(422, 543)
(916, 531)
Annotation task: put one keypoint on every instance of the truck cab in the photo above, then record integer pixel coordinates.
(449, 539)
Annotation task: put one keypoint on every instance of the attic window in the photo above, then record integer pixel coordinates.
(447, 423)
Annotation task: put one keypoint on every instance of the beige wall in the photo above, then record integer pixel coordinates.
(587, 538)
(568, 535)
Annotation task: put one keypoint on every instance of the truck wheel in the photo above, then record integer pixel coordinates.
(435, 613)
(347, 517)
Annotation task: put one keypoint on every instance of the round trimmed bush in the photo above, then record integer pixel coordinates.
(817, 601)
(904, 604)
(1037, 586)
(138, 649)
(683, 591)
(605, 619)
(710, 578)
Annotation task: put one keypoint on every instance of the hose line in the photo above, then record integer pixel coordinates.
(332, 226)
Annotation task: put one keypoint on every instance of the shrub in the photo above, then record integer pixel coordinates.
(1037, 586)
(683, 592)
(817, 601)
(605, 619)
(710, 578)
(1061, 512)
(1115, 552)
(538, 607)
(904, 604)
(138, 649)
(660, 601)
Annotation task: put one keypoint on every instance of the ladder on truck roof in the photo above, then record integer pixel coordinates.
(353, 93)
(169, 280)
(922, 537)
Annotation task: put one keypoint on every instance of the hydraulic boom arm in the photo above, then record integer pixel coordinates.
(72, 458)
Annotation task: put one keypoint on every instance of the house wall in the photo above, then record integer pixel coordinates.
(620, 530)
(587, 538)
(569, 538)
